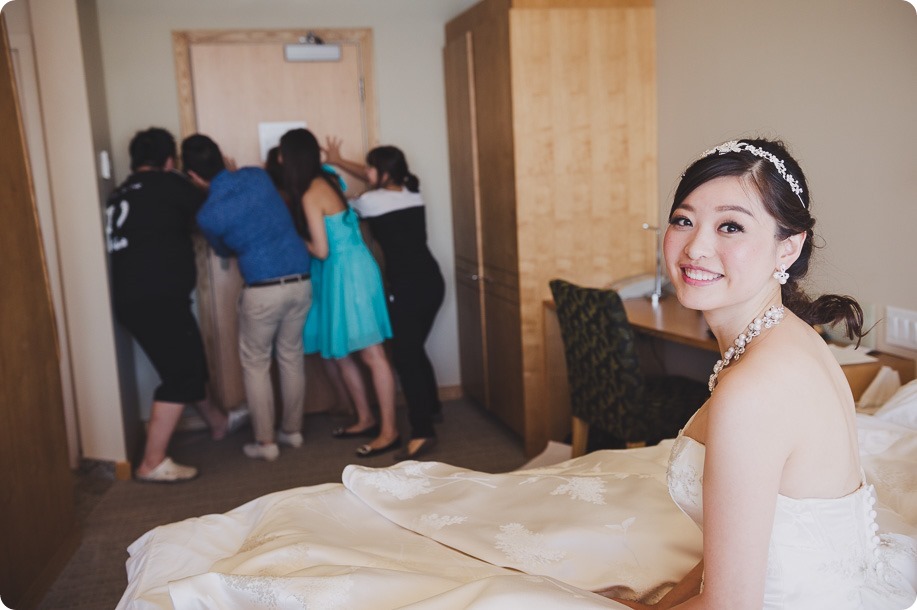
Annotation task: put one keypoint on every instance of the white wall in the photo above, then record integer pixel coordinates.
(75, 196)
(408, 40)
(838, 82)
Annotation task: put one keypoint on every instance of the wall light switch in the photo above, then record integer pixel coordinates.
(901, 327)
(104, 165)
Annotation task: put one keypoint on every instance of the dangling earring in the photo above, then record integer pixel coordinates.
(781, 276)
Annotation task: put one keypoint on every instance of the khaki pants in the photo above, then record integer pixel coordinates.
(271, 319)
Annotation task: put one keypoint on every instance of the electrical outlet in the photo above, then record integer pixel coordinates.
(901, 327)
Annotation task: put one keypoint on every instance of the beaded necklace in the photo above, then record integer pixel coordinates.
(771, 317)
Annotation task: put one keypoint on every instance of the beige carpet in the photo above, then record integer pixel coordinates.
(115, 513)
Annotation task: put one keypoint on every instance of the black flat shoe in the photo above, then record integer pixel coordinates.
(425, 446)
(364, 433)
(365, 451)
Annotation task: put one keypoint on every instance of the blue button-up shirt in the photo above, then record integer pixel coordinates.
(245, 216)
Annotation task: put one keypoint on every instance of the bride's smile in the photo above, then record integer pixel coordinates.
(721, 248)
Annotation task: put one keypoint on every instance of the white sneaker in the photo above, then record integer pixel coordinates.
(291, 439)
(237, 418)
(168, 472)
(257, 451)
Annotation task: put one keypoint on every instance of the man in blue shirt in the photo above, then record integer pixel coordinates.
(244, 216)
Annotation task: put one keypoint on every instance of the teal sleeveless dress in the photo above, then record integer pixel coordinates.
(348, 310)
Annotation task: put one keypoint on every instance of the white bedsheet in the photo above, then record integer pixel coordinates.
(428, 535)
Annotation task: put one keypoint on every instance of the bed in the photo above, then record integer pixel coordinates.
(426, 535)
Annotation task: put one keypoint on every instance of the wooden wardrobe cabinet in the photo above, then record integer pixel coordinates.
(552, 140)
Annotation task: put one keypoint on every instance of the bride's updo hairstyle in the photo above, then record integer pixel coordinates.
(785, 194)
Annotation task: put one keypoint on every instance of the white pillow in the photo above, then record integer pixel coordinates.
(901, 408)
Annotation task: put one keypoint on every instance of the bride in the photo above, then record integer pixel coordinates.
(769, 466)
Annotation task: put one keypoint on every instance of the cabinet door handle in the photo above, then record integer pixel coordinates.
(474, 277)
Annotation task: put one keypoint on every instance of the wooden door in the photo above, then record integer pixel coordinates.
(498, 222)
(584, 112)
(38, 527)
(230, 83)
(466, 218)
(479, 103)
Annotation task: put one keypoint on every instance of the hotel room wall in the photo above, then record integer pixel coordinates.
(838, 82)
(67, 148)
(408, 42)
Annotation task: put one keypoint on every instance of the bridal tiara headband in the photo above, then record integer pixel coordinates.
(737, 146)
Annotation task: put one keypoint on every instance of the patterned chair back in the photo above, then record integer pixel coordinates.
(606, 383)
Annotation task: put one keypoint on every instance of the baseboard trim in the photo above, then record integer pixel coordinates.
(192, 421)
(451, 392)
(446, 392)
(123, 471)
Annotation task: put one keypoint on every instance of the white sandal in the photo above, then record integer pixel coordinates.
(168, 472)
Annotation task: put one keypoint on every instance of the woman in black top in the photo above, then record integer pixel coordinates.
(394, 210)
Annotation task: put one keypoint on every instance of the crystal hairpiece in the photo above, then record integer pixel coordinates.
(737, 147)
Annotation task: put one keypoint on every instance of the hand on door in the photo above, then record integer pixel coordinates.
(332, 150)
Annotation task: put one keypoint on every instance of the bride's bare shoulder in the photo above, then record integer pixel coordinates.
(774, 372)
(781, 386)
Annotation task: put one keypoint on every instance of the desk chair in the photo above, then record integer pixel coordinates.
(612, 403)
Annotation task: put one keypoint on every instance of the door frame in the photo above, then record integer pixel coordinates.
(182, 43)
(24, 71)
(181, 51)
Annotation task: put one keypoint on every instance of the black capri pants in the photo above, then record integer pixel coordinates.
(167, 332)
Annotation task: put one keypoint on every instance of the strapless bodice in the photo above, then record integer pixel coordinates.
(825, 553)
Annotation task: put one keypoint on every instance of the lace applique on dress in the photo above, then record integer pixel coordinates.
(587, 489)
(526, 547)
(685, 478)
(315, 592)
(434, 521)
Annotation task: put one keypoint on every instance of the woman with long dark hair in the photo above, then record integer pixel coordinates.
(769, 466)
(348, 314)
(396, 215)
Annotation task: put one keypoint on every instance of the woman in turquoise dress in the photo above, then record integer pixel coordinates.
(348, 314)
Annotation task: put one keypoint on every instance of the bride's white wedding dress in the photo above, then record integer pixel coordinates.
(825, 554)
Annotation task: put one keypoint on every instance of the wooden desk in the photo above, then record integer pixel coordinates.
(674, 327)
(671, 322)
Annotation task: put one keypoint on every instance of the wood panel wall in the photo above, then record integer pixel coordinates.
(584, 115)
(566, 144)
